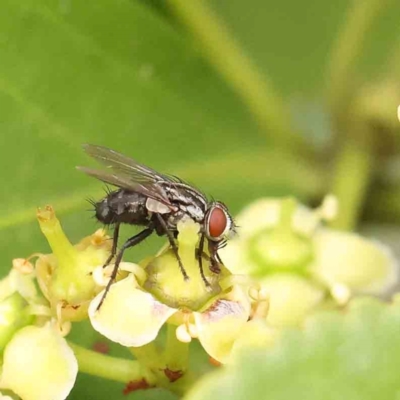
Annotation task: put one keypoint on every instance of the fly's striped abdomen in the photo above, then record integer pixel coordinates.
(123, 206)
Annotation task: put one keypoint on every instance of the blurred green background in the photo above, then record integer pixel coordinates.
(141, 77)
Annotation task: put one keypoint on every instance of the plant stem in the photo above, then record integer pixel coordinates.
(354, 162)
(116, 369)
(148, 355)
(384, 205)
(176, 353)
(346, 51)
(351, 179)
(222, 51)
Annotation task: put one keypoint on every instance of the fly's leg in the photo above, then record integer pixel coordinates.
(214, 258)
(200, 257)
(114, 245)
(133, 241)
(173, 245)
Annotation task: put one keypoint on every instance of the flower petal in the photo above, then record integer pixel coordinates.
(4, 397)
(129, 315)
(14, 314)
(259, 215)
(219, 326)
(291, 298)
(349, 259)
(39, 365)
(254, 334)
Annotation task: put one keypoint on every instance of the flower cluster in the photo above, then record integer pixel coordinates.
(302, 264)
(158, 294)
(40, 302)
(37, 305)
(284, 264)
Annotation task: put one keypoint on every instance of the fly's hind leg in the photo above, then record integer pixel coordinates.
(133, 241)
(114, 245)
(173, 245)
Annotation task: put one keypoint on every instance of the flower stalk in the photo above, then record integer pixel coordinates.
(116, 369)
(238, 69)
(176, 354)
(353, 170)
(347, 50)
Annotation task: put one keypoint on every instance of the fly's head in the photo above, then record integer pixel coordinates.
(218, 224)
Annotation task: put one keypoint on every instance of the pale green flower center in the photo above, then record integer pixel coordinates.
(166, 282)
(281, 247)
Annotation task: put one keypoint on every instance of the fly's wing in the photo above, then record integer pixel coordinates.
(121, 164)
(126, 173)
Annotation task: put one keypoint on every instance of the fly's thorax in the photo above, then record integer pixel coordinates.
(193, 211)
(187, 199)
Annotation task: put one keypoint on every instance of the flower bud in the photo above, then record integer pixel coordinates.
(38, 364)
(14, 314)
(291, 297)
(65, 276)
(348, 259)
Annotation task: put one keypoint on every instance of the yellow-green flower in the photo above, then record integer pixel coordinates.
(298, 261)
(38, 364)
(348, 260)
(291, 298)
(65, 276)
(18, 299)
(14, 314)
(5, 397)
(136, 307)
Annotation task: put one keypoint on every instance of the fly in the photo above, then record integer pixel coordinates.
(157, 202)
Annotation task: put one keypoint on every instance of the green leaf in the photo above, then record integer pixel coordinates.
(116, 73)
(355, 355)
(113, 73)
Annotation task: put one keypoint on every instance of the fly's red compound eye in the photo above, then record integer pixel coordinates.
(217, 222)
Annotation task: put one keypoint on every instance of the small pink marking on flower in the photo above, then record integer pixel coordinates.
(159, 308)
(222, 308)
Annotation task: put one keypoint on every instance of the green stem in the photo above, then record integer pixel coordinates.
(176, 353)
(107, 367)
(222, 51)
(148, 355)
(393, 63)
(351, 179)
(347, 50)
(288, 209)
(384, 205)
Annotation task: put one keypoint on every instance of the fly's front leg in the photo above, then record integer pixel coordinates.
(214, 258)
(114, 245)
(133, 241)
(218, 257)
(173, 245)
(199, 255)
